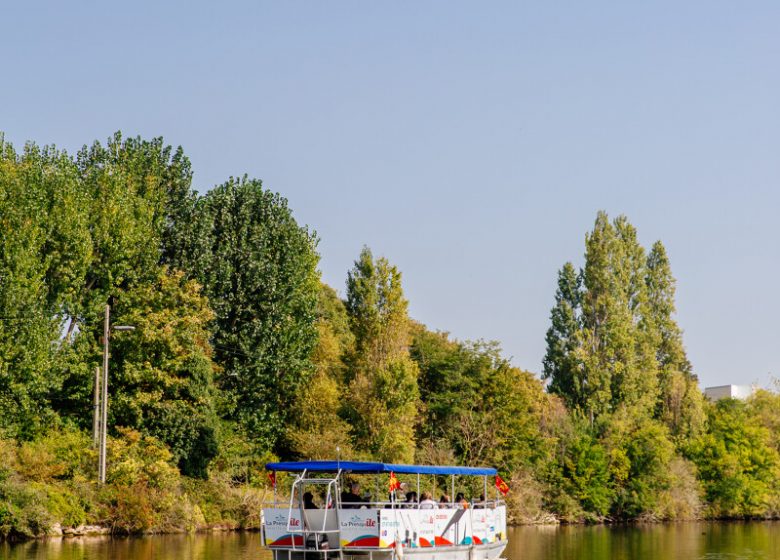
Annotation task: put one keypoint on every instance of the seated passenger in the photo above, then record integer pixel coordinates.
(352, 499)
(444, 501)
(461, 502)
(308, 501)
(427, 501)
(411, 499)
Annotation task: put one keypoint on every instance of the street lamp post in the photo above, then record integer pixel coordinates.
(104, 390)
(96, 411)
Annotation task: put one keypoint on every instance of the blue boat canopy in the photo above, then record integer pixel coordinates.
(359, 467)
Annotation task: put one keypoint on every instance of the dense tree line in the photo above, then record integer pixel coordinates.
(241, 353)
(221, 287)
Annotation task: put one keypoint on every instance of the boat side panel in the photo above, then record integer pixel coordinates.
(359, 528)
(280, 527)
(385, 528)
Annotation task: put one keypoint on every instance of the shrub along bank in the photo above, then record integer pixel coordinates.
(48, 485)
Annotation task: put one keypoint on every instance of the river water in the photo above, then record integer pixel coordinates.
(684, 541)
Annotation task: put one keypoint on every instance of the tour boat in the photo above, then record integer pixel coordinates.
(375, 528)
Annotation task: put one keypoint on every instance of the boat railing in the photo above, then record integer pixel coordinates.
(306, 529)
(490, 504)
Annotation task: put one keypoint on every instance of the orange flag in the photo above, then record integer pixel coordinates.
(393, 484)
(502, 486)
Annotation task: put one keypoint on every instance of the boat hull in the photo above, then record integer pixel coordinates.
(490, 551)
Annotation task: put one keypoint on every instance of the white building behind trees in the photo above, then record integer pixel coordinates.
(719, 392)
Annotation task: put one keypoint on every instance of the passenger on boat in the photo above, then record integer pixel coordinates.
(352, 499)
(411, 499)
(461, 501)
(427, 501)
(308, 501)
(444, 501)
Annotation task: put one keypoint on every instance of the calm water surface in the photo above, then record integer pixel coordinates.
(685, 541)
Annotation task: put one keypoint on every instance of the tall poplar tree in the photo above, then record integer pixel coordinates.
(637, 383)
(561, 362)
(600, 345)
(617, 353)
(680, 403)
(383, 396)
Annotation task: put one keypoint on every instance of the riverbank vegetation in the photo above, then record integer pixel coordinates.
(241, 354)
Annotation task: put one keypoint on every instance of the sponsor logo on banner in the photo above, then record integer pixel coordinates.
(357, 521)
(360, 529)
(276, 524)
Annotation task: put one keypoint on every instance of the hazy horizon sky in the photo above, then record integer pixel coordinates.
(470, 143)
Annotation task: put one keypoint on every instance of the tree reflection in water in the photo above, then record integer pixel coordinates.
(683, 541)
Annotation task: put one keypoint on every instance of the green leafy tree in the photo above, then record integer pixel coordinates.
(124, 187)
(764, 407)
(125, 183)
(383, 396)
(506, 413)
(90, 226)
(476, 403)
(163, 377)
(318, 430)
(640, 453)
(585, 474)
(27, 323)
(444, 388)
(258, 269)
(737, 463)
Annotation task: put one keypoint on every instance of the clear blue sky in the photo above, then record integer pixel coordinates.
(470, 143)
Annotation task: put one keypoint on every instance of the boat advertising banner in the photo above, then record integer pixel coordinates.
(401, 525)
(391, 527)
(411, 527)
(500, 523)
(463, 528)
(421, 528)
(426, 527)
(280, 525)
(447, 525)
(360, 528)
(479, 525)
(490, 533)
